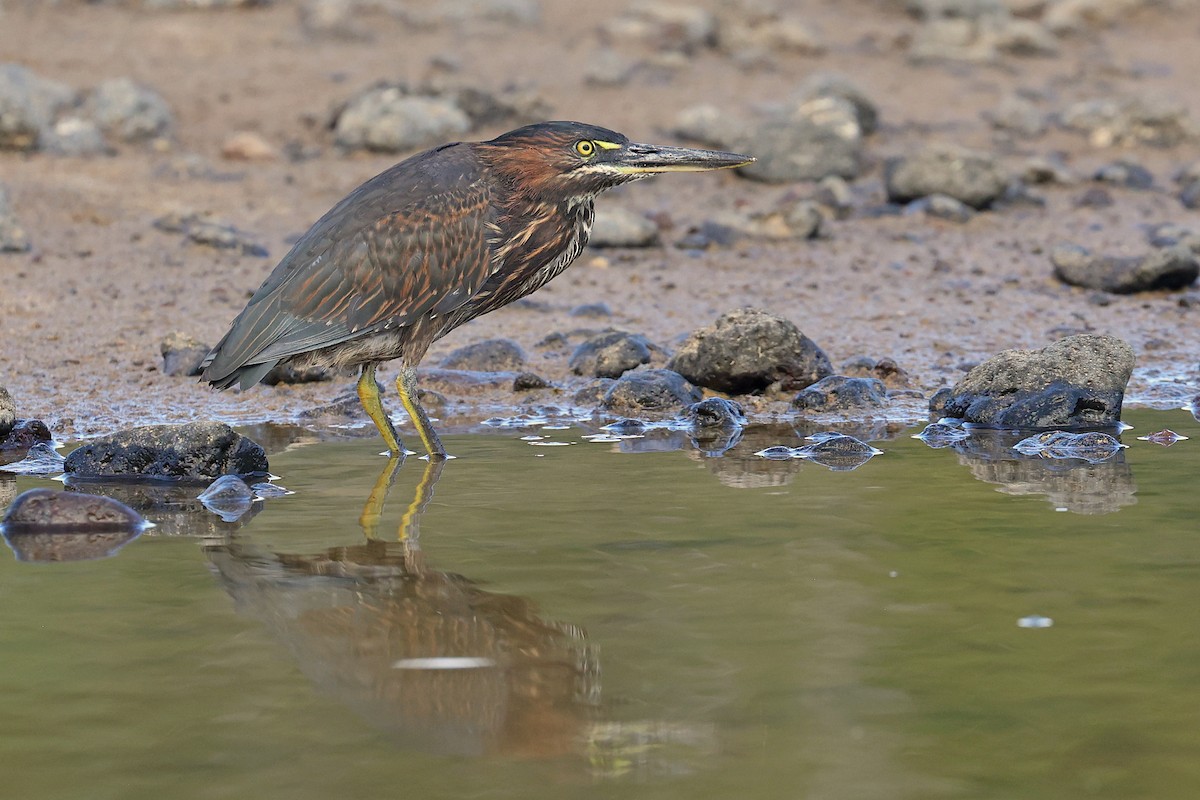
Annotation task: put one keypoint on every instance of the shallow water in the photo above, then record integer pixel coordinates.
(608, 623)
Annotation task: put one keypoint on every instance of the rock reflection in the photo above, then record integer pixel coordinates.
(1076, 485)
(426, 655)
(173, 506)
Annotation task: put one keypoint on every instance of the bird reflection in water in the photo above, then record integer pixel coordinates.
(425, 655)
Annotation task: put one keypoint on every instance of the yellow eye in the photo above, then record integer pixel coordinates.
(585, 148)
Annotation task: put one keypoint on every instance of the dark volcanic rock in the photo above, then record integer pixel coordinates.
(528, 381)
(838, 393)
(182, 354)
(8, 412)
(972, 178)
(747, 350)
(649, 390)
(193, 451)
(1076, 382)
(1170, 268)
(54, 509)
(25, 433)
(716, 412)
(610, 355)
(885, 369)
(490, 355)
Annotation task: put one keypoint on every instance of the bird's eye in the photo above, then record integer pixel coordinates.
(585, 148)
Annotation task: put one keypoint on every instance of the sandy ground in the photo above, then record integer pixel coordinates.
(82, 315)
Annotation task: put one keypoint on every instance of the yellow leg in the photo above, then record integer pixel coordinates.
(373, 509)
(411, 520)
(368, 395)
(406, 385)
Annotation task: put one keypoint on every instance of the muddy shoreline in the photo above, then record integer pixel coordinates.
(82, 313)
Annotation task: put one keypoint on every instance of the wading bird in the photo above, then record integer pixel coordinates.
(432, 243)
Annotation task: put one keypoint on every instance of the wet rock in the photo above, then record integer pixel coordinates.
(820, 138)
(1126, 174)
(886, 370)
(13, 237)
(203, 229)
(972, 178)
(193, 451)
(662, 26)
(747, 350)
(8, 412)
(75, 137)
(840, 393)
(1166, 437)
(229, 497)
(287, 374)
(129, 112)
(1129, 122)
(1092, 446)
(388, 118)
(835, 451)
(55, 509)
(1169, 268)
(248, 146)
(1076, 382)
(610, 355)
(620, 227)
(649, 390)
(940, 434)
(24, 434)
(941, 206)
(28, 106)
(41, 459)
(182, 354)
(716, 412)
(1015, 114)
(490, 355)
(592, 395)
(529, 381)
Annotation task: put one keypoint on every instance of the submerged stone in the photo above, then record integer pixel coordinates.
(229, 497)
(716, 412)
(1091, 446)
(49, 510)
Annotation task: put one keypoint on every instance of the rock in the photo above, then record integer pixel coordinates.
(1190, 195)
(1129, 122)
(823, 138)
(8, 412)
(1017, 115)
(608, 68)
(1094, 197)
(91, 539)
(716, 412)
(1169, 234)
(28, 106)
(13, 237)
(490, 355)
(333, 18)
(941, 434)
(55, 509)
(765, 35)
(529, 381)
(24, 434)
(1092, 446)
(747, 350)
(592, 310)
(886, 370)
(835, 85)
(620, 227)
(388, 118)
(203, 229)
(1076, 382)
(182, 354)
(710, 125)
(40, 459)
(953, 39)
(610, 355)
(649, 390)
(75, 137)
(1125, 173)
(129, 112)
(229, 497)
(662, 26)
(248, 146)
(193, 451)
(839, 393)
(972, 178)
(835, 451)
(941, 206)
(287, 374)
(1169, 268)
(790, 218)
(834, 193)
(957, 9)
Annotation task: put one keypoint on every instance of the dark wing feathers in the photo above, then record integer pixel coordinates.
(412, 241)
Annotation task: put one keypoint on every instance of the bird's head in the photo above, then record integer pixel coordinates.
(571, 159)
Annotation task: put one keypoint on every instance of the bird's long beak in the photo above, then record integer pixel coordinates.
(643, 159)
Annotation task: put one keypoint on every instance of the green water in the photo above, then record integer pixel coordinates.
(647, 629)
